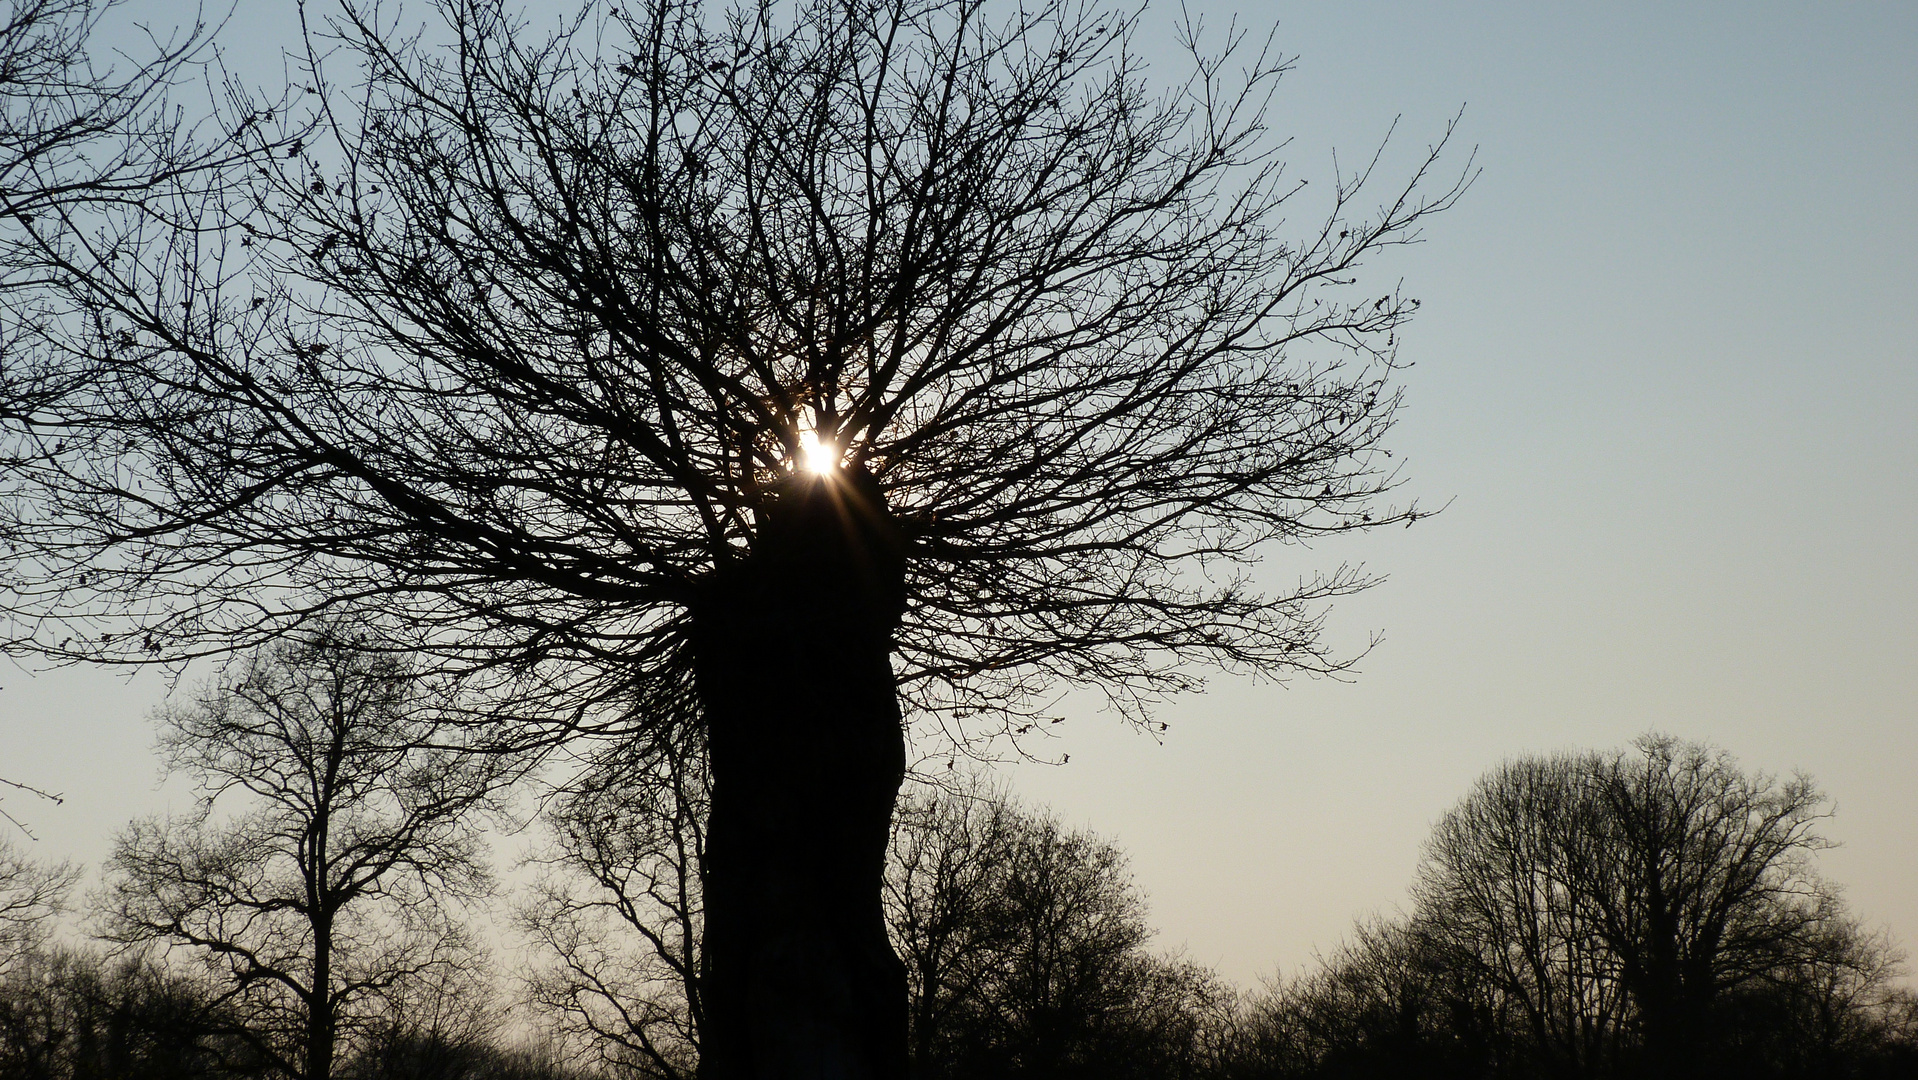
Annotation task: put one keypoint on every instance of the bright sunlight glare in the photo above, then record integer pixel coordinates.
(820, 457)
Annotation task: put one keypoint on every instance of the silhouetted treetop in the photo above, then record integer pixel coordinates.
(529, 335)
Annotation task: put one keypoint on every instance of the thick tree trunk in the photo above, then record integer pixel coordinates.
(792, 657)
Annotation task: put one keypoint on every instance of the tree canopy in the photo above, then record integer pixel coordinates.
(519, 336)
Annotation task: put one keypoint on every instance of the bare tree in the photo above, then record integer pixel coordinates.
(1024, 943)
(1701, 881)
(1542, 904)
(83, 135)
(945, 877)
(764, 367)
(617, 916)
(1625, 901)
(32, 895)
(446, 1023)
(330, 884)
(1499, 894)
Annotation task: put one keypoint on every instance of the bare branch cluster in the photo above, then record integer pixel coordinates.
(322, 871)
(521, 336)
(617, 912)
(32, 893)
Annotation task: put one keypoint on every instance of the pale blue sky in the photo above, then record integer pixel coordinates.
(1665, 373)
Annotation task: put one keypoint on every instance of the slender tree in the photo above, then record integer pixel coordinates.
(765, 368)
(945, 878)
(331, 883)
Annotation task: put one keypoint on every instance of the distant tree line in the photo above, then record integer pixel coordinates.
(1648, 912)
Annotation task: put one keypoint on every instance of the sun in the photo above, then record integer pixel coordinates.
(820, 457)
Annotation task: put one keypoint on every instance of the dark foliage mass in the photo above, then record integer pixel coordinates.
(78, 1015)
(67, 1015)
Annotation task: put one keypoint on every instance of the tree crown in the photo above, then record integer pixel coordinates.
(527, 338)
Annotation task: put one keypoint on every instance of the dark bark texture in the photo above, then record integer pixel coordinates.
(793, 667)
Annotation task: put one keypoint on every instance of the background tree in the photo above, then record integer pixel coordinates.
(446, 1023)
(617, 914)
(1541, 897)
(1840, 1005)
(1499, 894)
(1646, 890)
(1023, 941)
(32, 895)
(759, 366)
(945, 875)
(1701, 882)
(1024, 944)
(331, 882)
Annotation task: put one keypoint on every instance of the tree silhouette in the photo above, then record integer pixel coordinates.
(32, 895)
(1024, 944)
(1640, 893)
(332, 883)
(763, 369)
(616, 914)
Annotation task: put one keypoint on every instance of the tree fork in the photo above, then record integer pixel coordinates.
(793, 668)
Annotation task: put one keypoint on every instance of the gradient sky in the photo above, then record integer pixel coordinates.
(1665, 375)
